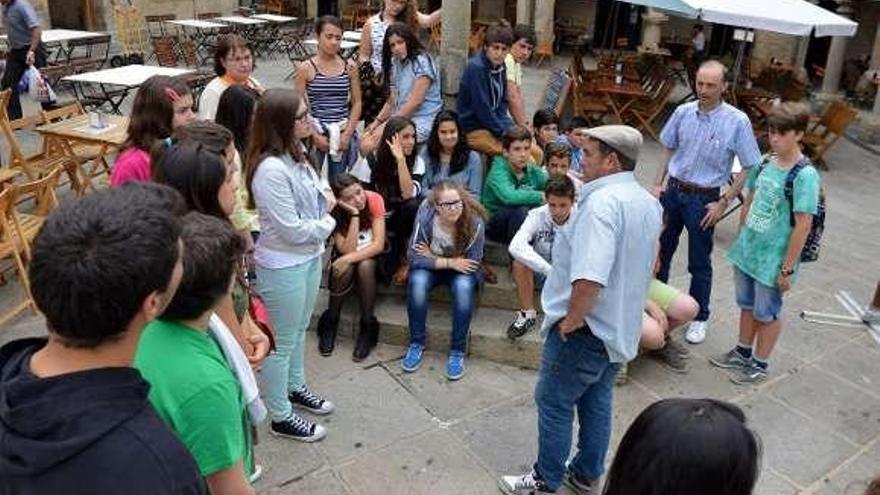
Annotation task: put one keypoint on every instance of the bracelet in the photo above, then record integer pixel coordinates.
(356, 214)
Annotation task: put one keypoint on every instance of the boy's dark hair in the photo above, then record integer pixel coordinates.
(686, 446)
(500, 32)
(789, 116)
(196, 172)
(556, 150)
(515, 133)
(544, 117)
(96, 259)
(561, 187)
(626, 163)
(524, 32)
(211, 248)
(698, 27)
(226, 44)
(575, 123)
(235, 112)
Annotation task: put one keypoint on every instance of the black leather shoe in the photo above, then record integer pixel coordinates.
(327, 333)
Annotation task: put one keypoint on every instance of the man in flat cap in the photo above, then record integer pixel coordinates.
(593, 301)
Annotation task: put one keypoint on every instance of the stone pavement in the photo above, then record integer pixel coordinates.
(818, 416)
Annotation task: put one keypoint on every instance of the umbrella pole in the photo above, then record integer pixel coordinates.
(737, 66)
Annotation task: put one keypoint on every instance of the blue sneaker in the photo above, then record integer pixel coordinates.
(413, 358)
(455, 365)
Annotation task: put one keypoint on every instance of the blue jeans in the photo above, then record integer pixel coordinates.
(505, 223)
(575, 375)
(685, 210)
(464, 294)
(764, 302)
(289, 294)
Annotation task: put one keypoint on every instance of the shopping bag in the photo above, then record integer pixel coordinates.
(38, 87)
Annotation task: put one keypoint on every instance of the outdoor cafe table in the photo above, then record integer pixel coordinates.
(115, 84)
(621, 96)
(277, 19)
(56, 37)
(76, 130)
(346, 47)
(199, 31)
(352, 36)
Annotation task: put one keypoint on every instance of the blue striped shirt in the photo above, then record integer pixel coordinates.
(329, 96)
(704, 143)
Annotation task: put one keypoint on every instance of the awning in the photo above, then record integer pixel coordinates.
(796, 17)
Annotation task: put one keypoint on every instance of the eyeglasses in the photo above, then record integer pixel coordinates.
(450, 205)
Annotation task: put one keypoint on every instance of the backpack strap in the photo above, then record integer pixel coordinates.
(789, 185)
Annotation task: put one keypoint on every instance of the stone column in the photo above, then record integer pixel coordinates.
(836, 54)
(875, 64)
(456, 22)
(544, 18)
(651, 22)
(312, 8)
(524, 12)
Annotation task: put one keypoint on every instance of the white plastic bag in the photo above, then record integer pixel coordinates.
(361, 170)
(38, 87)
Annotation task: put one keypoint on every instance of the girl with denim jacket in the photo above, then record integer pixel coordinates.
(296, 222)
(446, 249)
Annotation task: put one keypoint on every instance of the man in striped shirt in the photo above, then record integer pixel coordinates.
(700, 141)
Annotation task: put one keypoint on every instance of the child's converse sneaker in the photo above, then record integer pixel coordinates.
(308, 400)
(525, 484)
(297, 428)
(455, 365)
(696, 332)
(523, 322)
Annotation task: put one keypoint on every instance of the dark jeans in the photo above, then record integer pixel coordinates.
(685, 210)
(576, 375)
(15, 67)
(400, 224)
(464, 293)
(505, 223)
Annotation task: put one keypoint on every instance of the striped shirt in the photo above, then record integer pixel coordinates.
(328, 96)
(704, 143)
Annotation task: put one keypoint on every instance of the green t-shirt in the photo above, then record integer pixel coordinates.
(760, 247)
(196, 394)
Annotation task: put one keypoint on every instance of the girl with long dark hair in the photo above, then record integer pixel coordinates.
(448, 157)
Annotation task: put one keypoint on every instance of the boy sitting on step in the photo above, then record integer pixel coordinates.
(531, 249)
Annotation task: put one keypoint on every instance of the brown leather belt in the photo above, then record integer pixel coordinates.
(692, 188)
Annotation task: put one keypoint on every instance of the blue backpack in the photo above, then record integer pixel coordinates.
(817, 228)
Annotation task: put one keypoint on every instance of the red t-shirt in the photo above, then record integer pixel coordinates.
(375, 204)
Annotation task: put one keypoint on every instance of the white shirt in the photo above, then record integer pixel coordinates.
(533, 243)
(699, 42)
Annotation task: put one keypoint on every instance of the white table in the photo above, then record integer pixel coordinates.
(126, 77)
(241, 20)
(343, 45)
(51, 36)
(278, 19)
(196, 23)
(352, 36)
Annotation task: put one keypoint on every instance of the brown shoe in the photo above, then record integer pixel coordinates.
(670, 357)
(489, 274)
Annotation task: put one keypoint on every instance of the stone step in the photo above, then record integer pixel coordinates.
(487, 339)
(500, 296)
(496, 254)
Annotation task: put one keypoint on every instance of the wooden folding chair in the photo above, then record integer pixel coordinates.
(36, 165)
(13, 246)
(543, 51)
(647, 112)
(82, 153)
(42, 193)
(823, 134)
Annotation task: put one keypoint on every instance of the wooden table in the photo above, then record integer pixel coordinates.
(127, 77)
(621, 96)
(76, 130)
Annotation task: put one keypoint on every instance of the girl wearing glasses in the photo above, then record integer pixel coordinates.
(446, 249)
(295, 223)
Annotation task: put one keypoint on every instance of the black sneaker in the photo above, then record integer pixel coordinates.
(521, 324)
(309, 401)
(579, 485)
(671, 357)
(731, 359)
(297, 428)
(749, 375)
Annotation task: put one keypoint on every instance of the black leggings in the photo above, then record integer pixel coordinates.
(400, 224)
(15, 67)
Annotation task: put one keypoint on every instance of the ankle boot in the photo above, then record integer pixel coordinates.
(367, 339)
(327, 325)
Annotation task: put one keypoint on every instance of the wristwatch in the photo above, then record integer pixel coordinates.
(786, 272)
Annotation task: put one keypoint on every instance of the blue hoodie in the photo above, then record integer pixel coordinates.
(482, 96)
(424, 232)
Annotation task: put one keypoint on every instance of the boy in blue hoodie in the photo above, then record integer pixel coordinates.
(482, 96)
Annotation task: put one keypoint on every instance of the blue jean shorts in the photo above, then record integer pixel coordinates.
(764, 302)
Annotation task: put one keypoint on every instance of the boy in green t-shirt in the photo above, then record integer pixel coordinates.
(191, 385)
(513, 186)
(766, 252)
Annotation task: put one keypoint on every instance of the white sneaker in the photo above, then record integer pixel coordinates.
(524, 484)
(696, 332)
(258, 473)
